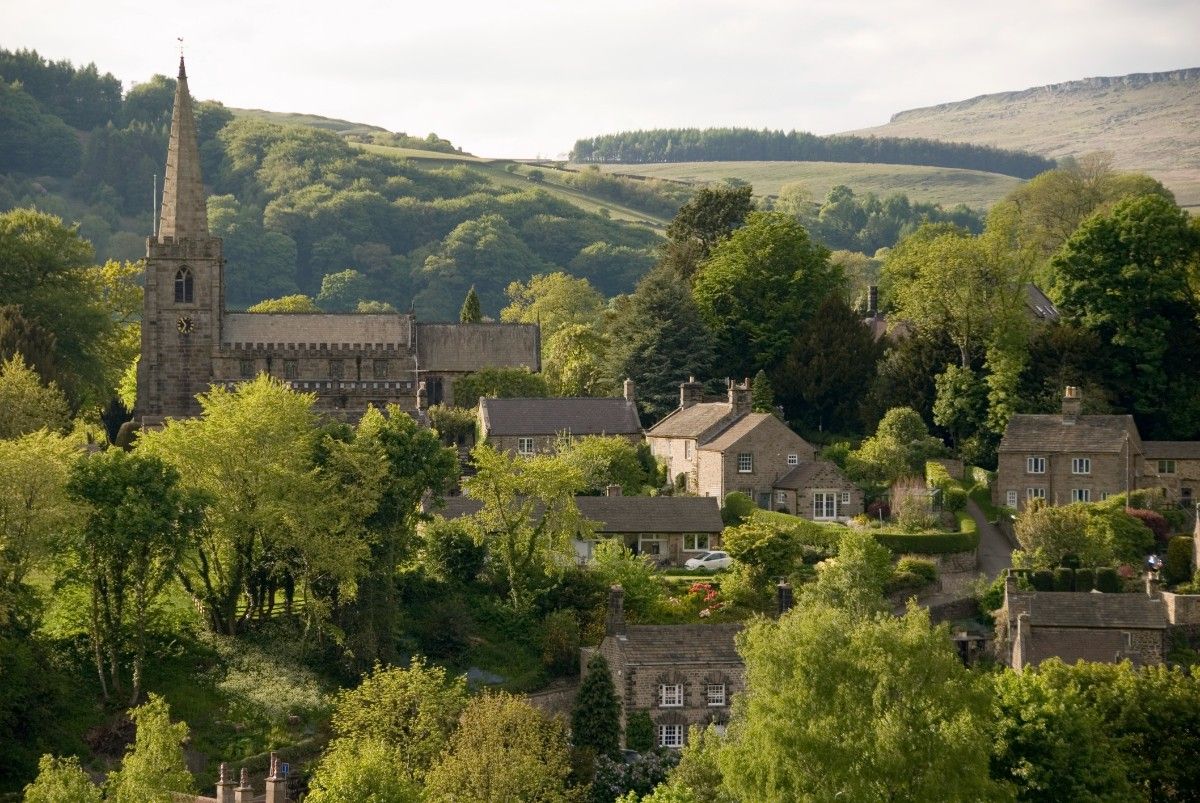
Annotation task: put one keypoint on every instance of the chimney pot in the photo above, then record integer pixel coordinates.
(612, 490)
(1072, 404)
(629, 390)
(615, 622)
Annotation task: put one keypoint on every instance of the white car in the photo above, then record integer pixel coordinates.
(710, 560)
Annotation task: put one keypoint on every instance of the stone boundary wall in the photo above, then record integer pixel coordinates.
(558, 700)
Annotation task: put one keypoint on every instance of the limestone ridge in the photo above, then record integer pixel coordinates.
(1134, 80)
(184, 214)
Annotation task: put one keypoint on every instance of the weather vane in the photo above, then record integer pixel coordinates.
(180, 40)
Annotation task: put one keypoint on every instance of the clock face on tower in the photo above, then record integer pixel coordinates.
(184, 325)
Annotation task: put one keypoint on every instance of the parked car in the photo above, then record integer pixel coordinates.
(710, 560)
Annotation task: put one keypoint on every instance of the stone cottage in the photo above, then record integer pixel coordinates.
(190, 342)
(533, 426)
(1173, 466)
(817, 490)
(715, 448)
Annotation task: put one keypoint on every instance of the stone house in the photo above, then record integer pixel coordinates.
(818, 490)
(670, 529)
(1067, 458)
(681, 675)
(1173, 466)
(721, 447)
(533, 426)
(349, 361)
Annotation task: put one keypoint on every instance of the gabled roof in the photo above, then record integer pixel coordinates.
(802, 476)
(1171, 450)
(628, 514)
(1095, 610)
(574, 416)
(741, 428)
(676, 645)
(697, 421)
(1089, 433)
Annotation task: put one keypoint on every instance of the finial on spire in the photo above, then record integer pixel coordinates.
(182, 72)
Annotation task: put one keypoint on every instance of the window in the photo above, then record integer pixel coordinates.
(289, 369)
(1010, 499)
(1035, 465)
(793, 460)
(670, 736)
(246, 368)
(1103, 495)
(183, 286)
(525, 446)
(380, 369)
(1035, 493)
(781, 497)
(1081, 495)
(745, 462)
(670, 695)
(649, 546)
(845, 497)
(695, 542)
(1166, 466)
(824, 505)
(687, 450)
(337, 369)
(714, 693)
(1081, 465)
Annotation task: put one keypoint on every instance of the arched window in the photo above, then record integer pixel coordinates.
(183, 286)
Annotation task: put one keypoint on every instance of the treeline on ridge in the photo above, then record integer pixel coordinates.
(747, 145)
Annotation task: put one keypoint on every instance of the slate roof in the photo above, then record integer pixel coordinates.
(736, 431)
(1089, 433)
(366, 330)
(1096, 611)
(1171, 450)
(575, 416)
(675, 645)
(629, 514)
(692, 422)
(801, 476)
(1039, 304)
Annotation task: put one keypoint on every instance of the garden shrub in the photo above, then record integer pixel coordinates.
(616, 564)
(925, 569)
(639, 731)
(936, 475)
(1156, 523)
(910, 502)
(879, 509)
(1107, 580)
(954, 499)
(1178, 566)
(928, 543)
(560, 642)
(1064, 579)
(1043, 580)
(1085, 579)
(450, 554)
(737, 508)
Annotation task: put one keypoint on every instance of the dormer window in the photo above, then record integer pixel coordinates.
(183, 286)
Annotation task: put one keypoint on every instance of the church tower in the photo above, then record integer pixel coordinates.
(184, 285)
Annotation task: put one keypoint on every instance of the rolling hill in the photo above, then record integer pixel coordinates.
(1150, 122)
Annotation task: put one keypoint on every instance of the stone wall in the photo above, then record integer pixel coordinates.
(559, 699)
(642, 684)
(770, 442)
(1106, 477)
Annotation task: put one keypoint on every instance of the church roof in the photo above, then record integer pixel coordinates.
(317, 328)
(184, 214)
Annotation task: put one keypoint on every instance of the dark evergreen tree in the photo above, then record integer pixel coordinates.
(707, 219)
(658, 341)
(471, 312)
(596, 718)
(904, 377)
(762, 395)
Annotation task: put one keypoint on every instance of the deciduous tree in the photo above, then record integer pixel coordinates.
(26, 405)
(154, 767)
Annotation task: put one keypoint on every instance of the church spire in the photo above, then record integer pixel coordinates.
(184, 215)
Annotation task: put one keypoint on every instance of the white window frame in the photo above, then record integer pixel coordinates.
(1010, 499)
(525, 446)
(1035, 465)
(793, 459)
(670, 736)
(844, 498)
(670, 695)
(1081, 494)
(691, 542)
(825, 505)
(745, 462)
(644, 541)
(1166, 466)
(1035, 493)
(687, 450)
(1103, 495)
(781, 497)
(1081, 465)
(714, 694)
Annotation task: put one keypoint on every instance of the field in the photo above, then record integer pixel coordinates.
(947, 186)
(310, 120)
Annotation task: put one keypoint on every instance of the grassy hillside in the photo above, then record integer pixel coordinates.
(1150, 122)
(947, 186)
(310, 120)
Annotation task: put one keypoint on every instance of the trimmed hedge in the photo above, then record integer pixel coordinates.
(935, 543)
(1107, 580)
(1043, 580)
(1064, 579)
(1178, 566)
(1085, 579)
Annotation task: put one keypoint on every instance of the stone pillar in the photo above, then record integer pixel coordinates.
(614, 624)
(225, 785)
(1153, 585)
(244, 793)
(276, 782)
(784, 597)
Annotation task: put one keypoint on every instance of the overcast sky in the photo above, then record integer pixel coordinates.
(521, 79)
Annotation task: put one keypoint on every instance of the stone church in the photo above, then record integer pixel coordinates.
(190, 342)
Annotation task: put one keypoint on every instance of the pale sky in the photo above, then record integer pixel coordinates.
(524, 79)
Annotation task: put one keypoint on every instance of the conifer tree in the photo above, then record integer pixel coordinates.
(762, 395)
(471, 312)
(596, 718)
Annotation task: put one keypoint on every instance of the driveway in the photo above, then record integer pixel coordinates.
(995, 550)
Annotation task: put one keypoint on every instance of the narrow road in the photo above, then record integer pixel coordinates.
(995, 551)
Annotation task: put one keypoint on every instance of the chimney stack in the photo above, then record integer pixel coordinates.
(615, 623)
(739, 397)
(690, 393)
(629, 389)
(784, 596)
(612, 490)
(873, 300)
(1072, 404)
(1153, 585)
(225, 785)
(244, 793)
